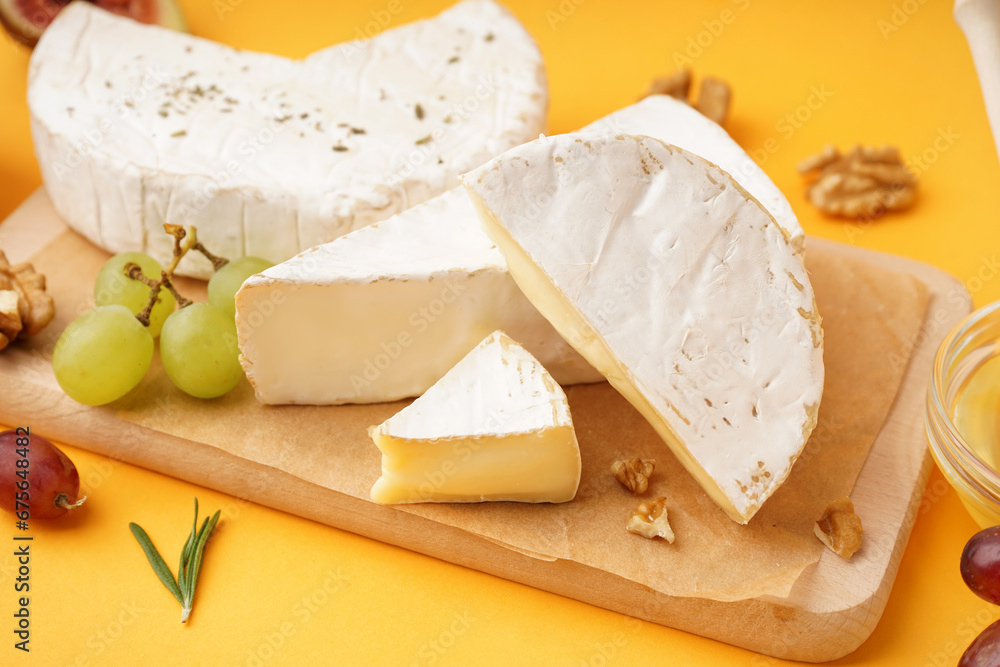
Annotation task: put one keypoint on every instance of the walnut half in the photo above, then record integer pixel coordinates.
(650, 520)
(840, 528)
(634, 473)
(10, 317)
(25, 308)
(864, 183)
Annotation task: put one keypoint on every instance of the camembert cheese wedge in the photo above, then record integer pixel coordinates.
(136, 126)
(495, 427)
(678, 286)
(383, 312)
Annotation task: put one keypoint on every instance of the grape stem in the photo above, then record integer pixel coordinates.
(217, 262)
(134, 272)
(181, 299)
(62, 500)
(181, 248)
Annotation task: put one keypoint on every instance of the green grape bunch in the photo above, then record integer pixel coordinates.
(105, 353)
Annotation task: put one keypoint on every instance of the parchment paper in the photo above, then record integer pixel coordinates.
(871, 319)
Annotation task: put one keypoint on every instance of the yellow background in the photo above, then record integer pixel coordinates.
(277, 589)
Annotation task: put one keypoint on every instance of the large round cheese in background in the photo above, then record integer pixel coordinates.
(678, 286)
(136, 126)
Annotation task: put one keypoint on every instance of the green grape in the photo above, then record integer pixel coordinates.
(226, 282)
(113, 286)
(199, 351)
(102, 355)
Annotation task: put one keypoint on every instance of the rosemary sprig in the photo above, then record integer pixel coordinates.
(191, 558)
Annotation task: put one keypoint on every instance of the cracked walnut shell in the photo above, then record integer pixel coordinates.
(25, 308)
(650, 520)
(864, 183)
(634, 473)
(840, 528)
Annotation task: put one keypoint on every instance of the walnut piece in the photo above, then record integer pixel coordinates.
(713, 99)
(650, 520)
(634, 474)
(714, 96)
(864, 183)
(25, 308)
(676, 85)
(840, 528)
(10, 317)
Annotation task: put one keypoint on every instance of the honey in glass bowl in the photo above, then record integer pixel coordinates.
(962, 417)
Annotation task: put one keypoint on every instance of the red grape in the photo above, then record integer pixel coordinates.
(985, 650)
(981, 564)
(36, 473)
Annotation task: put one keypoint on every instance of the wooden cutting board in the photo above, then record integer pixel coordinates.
(316, 462)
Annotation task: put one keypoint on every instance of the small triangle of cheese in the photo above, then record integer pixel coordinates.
(676, 284)
(495, 427)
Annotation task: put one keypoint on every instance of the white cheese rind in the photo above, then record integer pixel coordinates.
(136, 126)
(495, 427)
(384, 312)
(674, 122)
(677, 285)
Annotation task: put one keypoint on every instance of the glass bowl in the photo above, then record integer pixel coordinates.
(970, 346)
